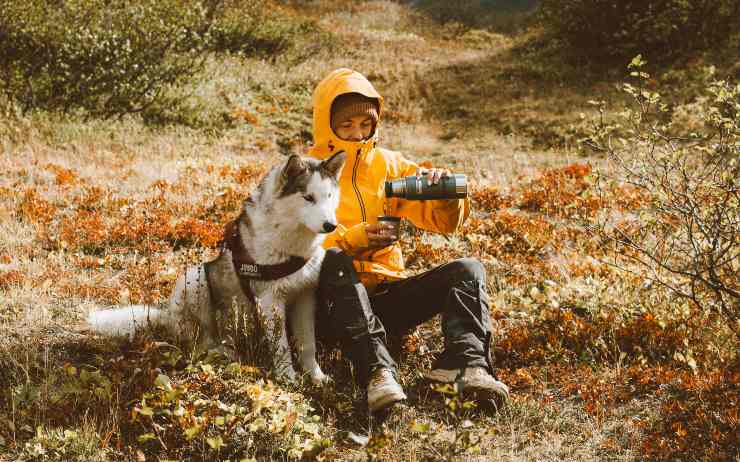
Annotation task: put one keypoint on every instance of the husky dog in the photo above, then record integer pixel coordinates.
(282, 228)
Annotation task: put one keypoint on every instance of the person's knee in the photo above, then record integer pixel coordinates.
(337, 268)
(468, 269)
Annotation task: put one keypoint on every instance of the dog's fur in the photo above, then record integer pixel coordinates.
(290, 212)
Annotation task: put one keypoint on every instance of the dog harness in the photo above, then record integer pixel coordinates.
(244, 267)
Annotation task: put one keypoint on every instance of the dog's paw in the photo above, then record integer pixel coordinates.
(318, 377)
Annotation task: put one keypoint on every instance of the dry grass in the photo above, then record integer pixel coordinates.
(101, 213)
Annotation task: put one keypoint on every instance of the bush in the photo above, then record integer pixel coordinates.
(253, 28)
(114, 57)
(687, 236)
(499, 15)
(107, 57)
(622, 29)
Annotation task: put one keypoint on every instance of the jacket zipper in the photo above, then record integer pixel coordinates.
(354, 185)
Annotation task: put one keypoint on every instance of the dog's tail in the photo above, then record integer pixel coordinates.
(126, 321)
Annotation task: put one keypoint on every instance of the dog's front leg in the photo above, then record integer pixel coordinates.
(273, 312)
(303, 328)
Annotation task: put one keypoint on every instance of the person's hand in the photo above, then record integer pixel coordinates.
(434, 174)
(380, 235)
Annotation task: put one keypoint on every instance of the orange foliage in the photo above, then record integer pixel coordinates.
(698, 411)
(84, 231)
(248, 174)
(36, 209)
(241, 114)
(10, 278)
(510, 233)
(145, 283)
(224, 207)
(107, 295)
(564, 192)
(192, 231)
(534, 232)
(63, 176)
(92, 197)
(563, 335)
(490, 199)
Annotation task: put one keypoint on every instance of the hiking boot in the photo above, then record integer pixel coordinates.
(383, 390)
(475, 381)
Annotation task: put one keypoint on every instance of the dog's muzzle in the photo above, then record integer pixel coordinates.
(329, 227)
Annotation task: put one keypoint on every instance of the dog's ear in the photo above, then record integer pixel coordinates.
(332, 166)
(294, 167)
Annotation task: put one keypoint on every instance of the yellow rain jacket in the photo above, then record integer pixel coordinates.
(362, 186)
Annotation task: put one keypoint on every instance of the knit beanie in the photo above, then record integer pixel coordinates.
(350, 105)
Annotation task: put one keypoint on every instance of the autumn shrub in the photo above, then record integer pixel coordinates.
(110, 58)
(501, 15)
(105, 57)
(64, 445)
(10, 278)
(259, 29)
(686, 236)
(222, 412)
(662, 28)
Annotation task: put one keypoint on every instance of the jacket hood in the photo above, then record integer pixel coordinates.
(339, 82)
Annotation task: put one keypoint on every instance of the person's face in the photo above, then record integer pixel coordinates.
(356, 128)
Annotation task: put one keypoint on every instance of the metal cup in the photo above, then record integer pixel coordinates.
(389, 220)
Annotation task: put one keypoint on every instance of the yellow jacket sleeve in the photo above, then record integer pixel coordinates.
(351, 240)
(442, 216)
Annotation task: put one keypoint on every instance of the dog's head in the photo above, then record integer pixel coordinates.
(309, 190)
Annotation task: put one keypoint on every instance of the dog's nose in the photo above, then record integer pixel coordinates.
(329, 227)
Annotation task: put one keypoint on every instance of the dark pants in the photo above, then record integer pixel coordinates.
(360, 322)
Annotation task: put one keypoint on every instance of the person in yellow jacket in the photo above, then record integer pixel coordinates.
(363, 291)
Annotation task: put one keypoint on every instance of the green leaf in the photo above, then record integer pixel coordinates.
(637, 62)
(162, 381)
(146, 437)
(207, 368)
(419, 427)
(215, 443)
(192, 432)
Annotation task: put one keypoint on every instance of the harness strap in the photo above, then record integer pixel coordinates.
(245, 266)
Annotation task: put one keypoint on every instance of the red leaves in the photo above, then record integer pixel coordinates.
(490, 199)
(10, 278)
(192, 231)
(243, 115)
(62, 176)
(36, 209)
(561, 192)
(698, 414)
(85, 231)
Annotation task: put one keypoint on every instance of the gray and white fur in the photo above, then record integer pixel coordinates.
(290, 213)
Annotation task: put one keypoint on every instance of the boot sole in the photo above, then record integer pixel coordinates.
(483, 393)
(386, 401)
(475, 392)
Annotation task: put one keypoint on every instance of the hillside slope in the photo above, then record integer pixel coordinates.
(602, 365)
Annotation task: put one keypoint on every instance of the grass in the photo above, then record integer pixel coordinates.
(98, 213)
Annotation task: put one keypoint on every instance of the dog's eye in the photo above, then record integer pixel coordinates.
(309, 198)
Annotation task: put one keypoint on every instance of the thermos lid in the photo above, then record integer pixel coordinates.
(388, 189)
